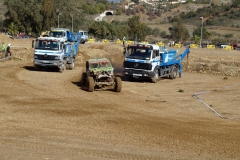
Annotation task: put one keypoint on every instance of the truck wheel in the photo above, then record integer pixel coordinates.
(174, 72)
(130, 78)
(62, 68)
(156, 77)
(118, 84)
(90, 84)
(38, 68)
(67, 66)
(72, 65)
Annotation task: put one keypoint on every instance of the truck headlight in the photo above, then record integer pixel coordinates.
(125, 72)
(57, 57)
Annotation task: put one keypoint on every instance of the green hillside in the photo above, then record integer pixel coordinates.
(221, 19)
(3, 8)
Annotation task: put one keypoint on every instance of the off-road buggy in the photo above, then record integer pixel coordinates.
(99, 74)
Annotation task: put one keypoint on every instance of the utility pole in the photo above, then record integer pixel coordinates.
(58, 18)
(201, 32)
(72, 21)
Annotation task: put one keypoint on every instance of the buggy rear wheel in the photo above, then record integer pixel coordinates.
(83, 80)
(118, 84)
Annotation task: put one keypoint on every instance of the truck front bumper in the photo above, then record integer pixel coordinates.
(47, 63)
(138, 73)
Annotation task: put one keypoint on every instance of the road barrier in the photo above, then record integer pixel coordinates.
(228, 47)
(105, 41)
(130, 42)
(177, 45)
(211, 46)
(160, 44)
(193, 45)
(119, 41)
(91, 40)
(144, 42)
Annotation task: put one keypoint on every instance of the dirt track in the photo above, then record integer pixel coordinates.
(46, 115)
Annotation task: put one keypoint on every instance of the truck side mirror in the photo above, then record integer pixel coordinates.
(154, 54)
(125, 52)
(87, 66)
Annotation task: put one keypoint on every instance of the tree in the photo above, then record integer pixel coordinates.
(47, 11)
(136, 29)
(205, 33)
(196, 39)
(24, 14)
(12, 29)
(148, 31)
(119, 12)
(103, 30)
(235, 3)
(178, 31)
(34, 16)
(163, 34)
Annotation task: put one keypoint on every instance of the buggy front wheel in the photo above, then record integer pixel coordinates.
(90, 84)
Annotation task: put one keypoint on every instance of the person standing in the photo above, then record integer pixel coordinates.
(3, 49)
(32, 43)
(9, 52)
(124, 41)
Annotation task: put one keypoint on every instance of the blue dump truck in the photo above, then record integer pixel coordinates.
(59, 50)
(148, 61)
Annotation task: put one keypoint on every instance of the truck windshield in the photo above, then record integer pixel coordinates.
(56, 34)
(46, 45)
(139, 54)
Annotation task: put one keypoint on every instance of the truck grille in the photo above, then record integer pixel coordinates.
(137, 65)
(45, 57)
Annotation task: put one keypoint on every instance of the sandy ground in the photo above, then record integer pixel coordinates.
(46, 115)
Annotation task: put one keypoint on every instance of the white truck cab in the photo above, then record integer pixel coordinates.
(60, 33)
(84, 36)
